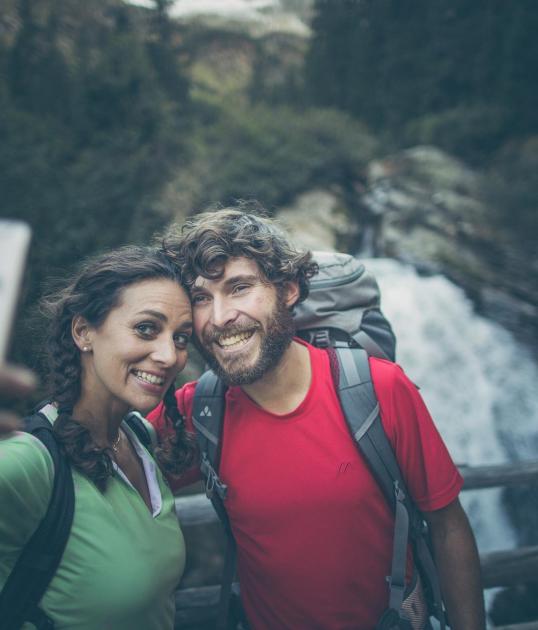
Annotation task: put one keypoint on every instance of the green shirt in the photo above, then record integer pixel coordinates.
(121, 565)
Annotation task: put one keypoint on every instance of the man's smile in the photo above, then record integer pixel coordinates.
(234, 340)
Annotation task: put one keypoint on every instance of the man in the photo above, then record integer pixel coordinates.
(313, 530)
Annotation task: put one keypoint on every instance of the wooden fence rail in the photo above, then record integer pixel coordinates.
(196, 607)
(477, 477)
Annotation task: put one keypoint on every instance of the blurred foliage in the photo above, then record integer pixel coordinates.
(389, 62)
(115, 119)
(471, 132)
(90, 129)
(274, 153)
(513, 191)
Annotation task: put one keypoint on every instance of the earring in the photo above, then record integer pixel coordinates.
(85, 349)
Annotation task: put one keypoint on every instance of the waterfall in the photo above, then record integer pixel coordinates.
(475, 378)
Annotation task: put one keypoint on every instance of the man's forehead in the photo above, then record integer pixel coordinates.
(233, 267)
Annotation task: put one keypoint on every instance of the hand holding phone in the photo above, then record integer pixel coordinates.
(15, 382)
(14, 242)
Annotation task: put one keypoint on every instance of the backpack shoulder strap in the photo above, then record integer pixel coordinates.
(208, 414)
(135, 422)
(361, 411)
(41, 556)
(207, 417)
(351, 374)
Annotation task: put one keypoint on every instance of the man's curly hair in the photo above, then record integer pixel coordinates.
(203, 245)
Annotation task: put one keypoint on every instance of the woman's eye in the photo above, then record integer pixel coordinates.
(146, 329)
(181, 340)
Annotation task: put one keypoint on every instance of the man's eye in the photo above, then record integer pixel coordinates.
(239, 288)
(181, 340)
(199, 299)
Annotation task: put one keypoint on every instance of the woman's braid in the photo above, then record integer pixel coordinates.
(65, 371)
(178, 450)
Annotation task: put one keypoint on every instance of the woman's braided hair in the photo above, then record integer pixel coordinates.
(93, 293)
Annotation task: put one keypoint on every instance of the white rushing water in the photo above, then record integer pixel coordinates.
(265, 16)
(477, 381)
(242, 9)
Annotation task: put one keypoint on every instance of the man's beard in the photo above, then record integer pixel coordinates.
(274, 341)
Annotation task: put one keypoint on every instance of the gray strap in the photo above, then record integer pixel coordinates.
(205, 432)
(399, 551)
(372, 348)
(349, 368)
(367, 423)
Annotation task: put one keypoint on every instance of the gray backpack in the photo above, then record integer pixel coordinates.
(342, 314)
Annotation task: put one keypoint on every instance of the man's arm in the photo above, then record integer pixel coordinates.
(458, 565)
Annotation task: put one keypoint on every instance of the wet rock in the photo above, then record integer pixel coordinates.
(317, 220)
(429, 210)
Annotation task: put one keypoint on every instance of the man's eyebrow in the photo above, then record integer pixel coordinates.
(230, 281)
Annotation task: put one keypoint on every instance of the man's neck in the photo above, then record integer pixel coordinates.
(284, 388)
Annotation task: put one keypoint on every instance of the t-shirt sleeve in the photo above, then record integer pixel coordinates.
(157, 417)
(431, 476)
(26, 480)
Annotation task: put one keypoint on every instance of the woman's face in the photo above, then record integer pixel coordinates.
(133, 357)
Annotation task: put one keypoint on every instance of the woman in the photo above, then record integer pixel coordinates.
(118, 338)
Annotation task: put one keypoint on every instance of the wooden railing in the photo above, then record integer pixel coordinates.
(196, 607)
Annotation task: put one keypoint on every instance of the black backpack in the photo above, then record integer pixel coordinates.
(341, 314)
(39, 560)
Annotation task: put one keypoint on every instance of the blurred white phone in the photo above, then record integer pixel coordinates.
(14, 242)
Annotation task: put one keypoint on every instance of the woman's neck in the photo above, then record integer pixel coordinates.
(102, 421)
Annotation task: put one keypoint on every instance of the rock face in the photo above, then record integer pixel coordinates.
(317, 220)
(429, 213)
(424, 207)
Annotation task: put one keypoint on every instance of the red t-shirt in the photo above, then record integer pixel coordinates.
(313, 530)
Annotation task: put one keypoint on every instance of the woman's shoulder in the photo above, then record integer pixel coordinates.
(23, 456)
(26, 480)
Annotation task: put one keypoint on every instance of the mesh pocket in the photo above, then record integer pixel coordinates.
(414, 606)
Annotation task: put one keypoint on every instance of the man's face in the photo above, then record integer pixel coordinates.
(243, 325)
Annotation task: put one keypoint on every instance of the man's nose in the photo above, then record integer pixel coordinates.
(222, 312)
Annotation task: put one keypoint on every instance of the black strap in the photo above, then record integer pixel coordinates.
(134, 422)
(208, 416)
(39, 560)
(228, 573)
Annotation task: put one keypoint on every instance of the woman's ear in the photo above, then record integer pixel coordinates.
(81, 332)
(291, 293)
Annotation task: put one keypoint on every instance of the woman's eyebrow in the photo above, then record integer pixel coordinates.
(156, 314)
(161, 316)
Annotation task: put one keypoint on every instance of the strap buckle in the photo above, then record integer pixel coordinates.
(320, 338)
(213, 483)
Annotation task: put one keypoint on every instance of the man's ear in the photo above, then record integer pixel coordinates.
(81, 333)
(291, 293)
